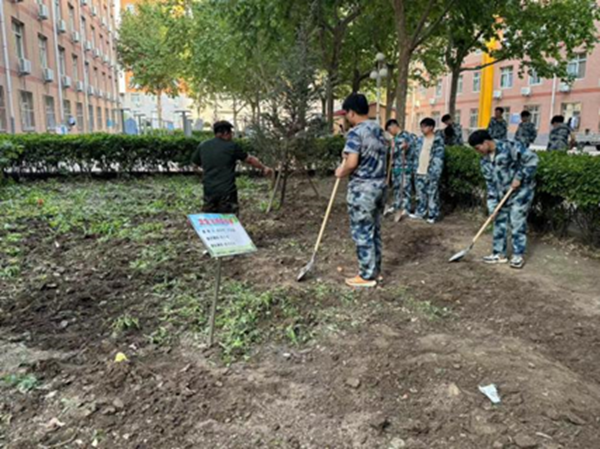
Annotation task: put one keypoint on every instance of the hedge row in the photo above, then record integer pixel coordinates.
(568, 192)
(49, 153)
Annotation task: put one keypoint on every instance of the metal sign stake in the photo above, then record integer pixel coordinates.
(213, 309)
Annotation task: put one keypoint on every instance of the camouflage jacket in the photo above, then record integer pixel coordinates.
(457, 135)
(399, 141)
(559, 138)
(526, 133)
(498, 129)
(436, 158)
(512, 160)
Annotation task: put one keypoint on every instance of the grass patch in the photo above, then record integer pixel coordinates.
(21, 382)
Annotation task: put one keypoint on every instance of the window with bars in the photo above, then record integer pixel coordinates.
(535, 114)
(506, 77)
(90, 118)
(99, 118)
(3, 119)
(67, 110)
(474, 118)
(27, 112)
(80, 118)
(50, 113)
(476, 81)
(43, 47)
(19, 33)
(459, 88)
(576, 67)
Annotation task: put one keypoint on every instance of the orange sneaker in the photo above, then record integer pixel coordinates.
(360, 282)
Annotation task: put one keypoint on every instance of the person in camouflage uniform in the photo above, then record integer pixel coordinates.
(404, 145)
(526, 132)
(428, 162)
(507, 164)
(365, 155)
(453, 134)
(498, 128)
(561, 137)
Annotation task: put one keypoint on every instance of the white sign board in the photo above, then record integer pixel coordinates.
(222, 234)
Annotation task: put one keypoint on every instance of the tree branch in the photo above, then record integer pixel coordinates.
(483, 66)
(432, 27)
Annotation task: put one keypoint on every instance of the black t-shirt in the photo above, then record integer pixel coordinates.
(218, 159)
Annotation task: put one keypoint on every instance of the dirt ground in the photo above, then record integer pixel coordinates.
(396, 367)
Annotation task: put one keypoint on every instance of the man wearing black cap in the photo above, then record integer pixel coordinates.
(218, 158)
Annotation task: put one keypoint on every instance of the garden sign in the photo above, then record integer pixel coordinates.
(223, 235)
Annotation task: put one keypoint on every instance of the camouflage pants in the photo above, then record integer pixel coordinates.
(402, 196)
(366, 200)
(514, 213)
(428, 196)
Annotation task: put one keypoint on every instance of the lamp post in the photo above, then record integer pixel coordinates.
(187, 128)
(378, 74)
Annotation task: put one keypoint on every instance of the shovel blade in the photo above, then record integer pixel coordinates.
(459, 255)
(305, 270)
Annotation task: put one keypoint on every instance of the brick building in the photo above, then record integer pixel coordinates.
(58, 65)
(578, 101)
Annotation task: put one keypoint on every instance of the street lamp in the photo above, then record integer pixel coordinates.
(378, 74)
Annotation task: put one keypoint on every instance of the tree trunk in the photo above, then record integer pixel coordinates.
(402, 87)
(329, 100)
(235, 114)
(159, 109)
(390, 93)
(455, 71)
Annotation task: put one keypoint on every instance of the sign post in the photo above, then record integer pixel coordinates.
(223, 235)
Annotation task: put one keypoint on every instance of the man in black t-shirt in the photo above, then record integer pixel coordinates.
(218, 158)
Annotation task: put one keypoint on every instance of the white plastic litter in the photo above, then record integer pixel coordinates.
(491, 392)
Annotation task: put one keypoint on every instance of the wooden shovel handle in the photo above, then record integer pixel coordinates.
(494, 214)
(328, 212)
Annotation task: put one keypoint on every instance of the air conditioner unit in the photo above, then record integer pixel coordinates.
(99, 94)
(48, 75)
(79, 86)
(564, 87)
(66, 81)
(432, 101)
(43, 13)
(94, 11)
(88, 46)
(61, 26)
(103, 21)
(76, 36)
(96, 53)
(497, 94)
(24, 67)
(526, 91)
(84, 2)
(106, 59)
(90, 90)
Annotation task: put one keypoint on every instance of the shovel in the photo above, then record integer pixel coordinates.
(464, 252)
(310, 264)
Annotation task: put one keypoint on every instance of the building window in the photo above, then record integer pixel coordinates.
(576, 67)
(62, 61)
(67, 110)
(83, 29)
(476, 81)
(506, 115)
(3, 121)
(474, 118)
(436, 115)
(572, 114)
(457, 117)
(19, 32)
(43, 45)
(534, 79)
(58, 12)
(80, 117)
(75, 68)
(459, 87)
(91, 118)
(93, 38)
(107, 118)
(130, 8)
(99, 118)
(86, 72)
(72, 18)
(535, 114)
(438, 89)
(50, 112)
(27, 114)
(506, 77)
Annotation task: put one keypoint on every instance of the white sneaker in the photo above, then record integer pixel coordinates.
(494, 259)
(517, 262)
(415, 216)
(430, 221)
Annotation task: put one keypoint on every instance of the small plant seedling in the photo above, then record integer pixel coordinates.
(22, 382)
